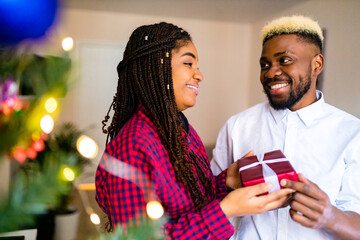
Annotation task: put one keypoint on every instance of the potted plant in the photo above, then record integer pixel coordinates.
(64, 138)
(28, 187)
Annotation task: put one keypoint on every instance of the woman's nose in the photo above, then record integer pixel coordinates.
(198, 75)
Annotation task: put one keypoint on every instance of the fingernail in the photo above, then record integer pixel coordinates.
(269, 185)
(283, 182)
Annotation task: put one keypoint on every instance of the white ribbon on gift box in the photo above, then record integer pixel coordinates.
(268, 174)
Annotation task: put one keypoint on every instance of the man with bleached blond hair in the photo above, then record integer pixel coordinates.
(321, 142)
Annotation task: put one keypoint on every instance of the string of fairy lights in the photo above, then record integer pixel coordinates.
(26, 121)
(30, 146)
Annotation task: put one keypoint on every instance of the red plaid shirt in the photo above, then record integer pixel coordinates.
(135, 169)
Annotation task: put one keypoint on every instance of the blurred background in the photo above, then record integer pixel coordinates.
(227, 36)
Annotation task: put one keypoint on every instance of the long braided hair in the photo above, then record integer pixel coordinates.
(145, 77)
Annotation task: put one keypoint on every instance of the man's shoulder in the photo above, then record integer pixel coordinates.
(341, 120)
(341, 114)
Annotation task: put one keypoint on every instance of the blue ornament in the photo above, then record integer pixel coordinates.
(24, 19)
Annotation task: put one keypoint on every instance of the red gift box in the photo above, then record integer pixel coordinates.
(269, 167)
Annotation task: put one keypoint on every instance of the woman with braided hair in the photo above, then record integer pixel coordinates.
(153, 153)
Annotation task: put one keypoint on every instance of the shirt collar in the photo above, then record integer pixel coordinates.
(307, 114)
(184, 122)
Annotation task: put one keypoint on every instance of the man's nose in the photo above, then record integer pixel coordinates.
(273, 71)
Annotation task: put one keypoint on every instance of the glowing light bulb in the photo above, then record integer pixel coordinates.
(94, 218)
(50, 105)
(69, 174)
(67, 44)
(47, 124)
(154, 210)
(87, 147)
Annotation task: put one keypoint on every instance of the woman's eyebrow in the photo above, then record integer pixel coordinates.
(189, 54)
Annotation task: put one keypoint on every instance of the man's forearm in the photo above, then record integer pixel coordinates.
(346, 225)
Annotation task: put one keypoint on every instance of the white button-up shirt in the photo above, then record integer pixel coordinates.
(321, 142)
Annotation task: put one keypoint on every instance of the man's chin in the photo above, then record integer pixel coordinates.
(277, 102)
(278, 105)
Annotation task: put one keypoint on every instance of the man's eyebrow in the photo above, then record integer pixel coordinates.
(278, 54)
(281, 53)
(262, 58)
(189, 54)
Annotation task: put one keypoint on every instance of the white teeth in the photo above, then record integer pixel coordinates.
(191, 86)
(279, 85)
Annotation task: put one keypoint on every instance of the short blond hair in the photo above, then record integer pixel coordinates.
(296, 24)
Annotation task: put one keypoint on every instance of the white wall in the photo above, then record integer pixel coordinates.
(341, 20)
(229, 54)
(223, 60)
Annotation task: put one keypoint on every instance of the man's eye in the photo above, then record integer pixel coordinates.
(264, 65)
(285, 60)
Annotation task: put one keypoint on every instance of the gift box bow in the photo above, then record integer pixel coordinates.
(269, 167)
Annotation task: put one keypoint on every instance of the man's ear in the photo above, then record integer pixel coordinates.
(318, 63)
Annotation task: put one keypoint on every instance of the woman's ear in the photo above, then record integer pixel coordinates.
(318, 63)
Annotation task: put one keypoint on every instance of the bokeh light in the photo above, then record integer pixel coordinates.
(69, 174)
(38, 145)
(47, 124)
(154, 210)
(20, 154)
(18, 105)
(31, 153)
(87, 147)
(6, 109)
(50, 105)
(94, 218)
(68, 44)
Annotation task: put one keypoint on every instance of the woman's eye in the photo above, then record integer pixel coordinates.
(188, 63)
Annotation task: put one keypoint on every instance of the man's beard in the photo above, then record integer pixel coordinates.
(295, 95)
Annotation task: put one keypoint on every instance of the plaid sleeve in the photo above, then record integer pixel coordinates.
(209, 223)
(125, 185)
(126, 180)
(220, 183)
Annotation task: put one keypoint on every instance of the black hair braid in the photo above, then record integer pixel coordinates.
(145, 77)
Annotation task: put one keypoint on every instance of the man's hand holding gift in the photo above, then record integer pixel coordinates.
(251, 199)
(310, 206)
